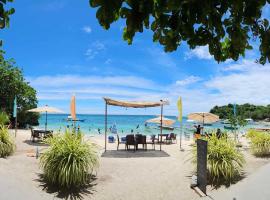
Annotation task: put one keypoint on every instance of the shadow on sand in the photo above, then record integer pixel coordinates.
(72, 193)
(132, 154)
(36, 143)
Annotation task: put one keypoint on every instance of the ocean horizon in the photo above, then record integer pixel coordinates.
(94, 124)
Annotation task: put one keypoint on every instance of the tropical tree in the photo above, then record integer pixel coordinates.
(226, 27)
(13, 84)
(4, 19)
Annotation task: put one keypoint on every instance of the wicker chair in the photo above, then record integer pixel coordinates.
(120, 142)
(130, 141)
(171, 137)
(151, 141)
(34, 135)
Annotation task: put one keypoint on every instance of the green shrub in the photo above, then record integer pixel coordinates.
(260, 144)
(69, 161)
(224, 161)
(4, 119)
(7, 145)
(251, 133)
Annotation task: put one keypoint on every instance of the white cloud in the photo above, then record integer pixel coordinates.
(248, 82)
(244, 65)
(189, 80)
(201, 52)
(245, 82)
(79, 81)
(95, 48)
(87, 29)
(108, 61)
(54, 5)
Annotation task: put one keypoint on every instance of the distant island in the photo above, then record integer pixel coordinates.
(244, 111)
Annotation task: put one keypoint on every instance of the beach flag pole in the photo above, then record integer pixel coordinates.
(15, 114)
(234, 114)
(180, 119)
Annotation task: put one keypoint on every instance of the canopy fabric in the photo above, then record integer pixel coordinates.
(165, 121)
(203, 117)
(73, 108)
(47, 109)
(134, 104)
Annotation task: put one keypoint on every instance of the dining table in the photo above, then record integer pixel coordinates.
(43, 133)
(160, 137)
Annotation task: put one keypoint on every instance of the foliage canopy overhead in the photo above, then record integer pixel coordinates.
(227, 27)
(4, 18)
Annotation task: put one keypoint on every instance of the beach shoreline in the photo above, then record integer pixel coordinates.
(144, 175)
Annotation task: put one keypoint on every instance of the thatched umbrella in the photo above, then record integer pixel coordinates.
(203, 117)
(46, 109)
(165, 121)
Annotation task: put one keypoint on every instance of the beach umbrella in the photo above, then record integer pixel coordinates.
(46, 109)
(165, 121)
(203, 117)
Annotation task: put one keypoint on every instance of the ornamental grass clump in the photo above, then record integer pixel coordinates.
(7, 145)
(260, 144)
(252, 133)
(69, 161)
(224, 161)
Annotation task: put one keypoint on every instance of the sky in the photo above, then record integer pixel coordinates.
(63, 50)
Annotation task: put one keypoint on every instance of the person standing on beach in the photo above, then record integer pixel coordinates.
(198, 131)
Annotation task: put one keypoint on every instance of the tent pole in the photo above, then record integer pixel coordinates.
(161, 123)
(106, 113)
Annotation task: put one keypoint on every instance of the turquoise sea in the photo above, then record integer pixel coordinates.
(124, 123)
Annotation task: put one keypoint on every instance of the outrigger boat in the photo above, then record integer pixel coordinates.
(69, 119)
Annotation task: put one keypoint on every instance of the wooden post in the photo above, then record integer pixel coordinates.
(161, 123)
(16, 127)
(202, 165)
(106, 113)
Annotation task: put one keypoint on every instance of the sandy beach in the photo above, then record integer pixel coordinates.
(122, 175)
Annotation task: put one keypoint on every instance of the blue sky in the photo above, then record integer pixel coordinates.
(63, 51)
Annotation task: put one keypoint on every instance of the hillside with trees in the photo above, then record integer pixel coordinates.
(244, 111)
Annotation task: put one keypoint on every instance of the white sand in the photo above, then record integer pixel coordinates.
(121, 175)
